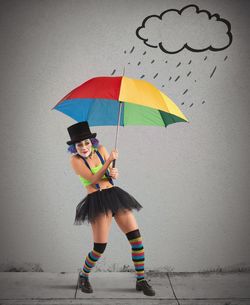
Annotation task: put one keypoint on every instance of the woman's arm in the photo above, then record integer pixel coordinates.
(104, 154)
(113, 171)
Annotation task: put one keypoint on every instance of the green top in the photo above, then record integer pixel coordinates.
(94, 170)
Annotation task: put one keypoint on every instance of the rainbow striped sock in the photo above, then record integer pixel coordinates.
(137, 249)
(90, 262)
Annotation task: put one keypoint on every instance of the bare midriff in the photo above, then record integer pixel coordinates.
(104, 184)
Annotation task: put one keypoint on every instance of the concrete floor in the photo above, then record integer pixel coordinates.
(119, 288)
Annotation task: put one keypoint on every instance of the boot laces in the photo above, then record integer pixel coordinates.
(87, 283)
(146, 284)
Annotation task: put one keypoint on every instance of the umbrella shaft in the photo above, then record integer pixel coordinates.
(117, 128)
(118, 125)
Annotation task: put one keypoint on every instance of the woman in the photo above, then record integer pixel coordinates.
(92, 163)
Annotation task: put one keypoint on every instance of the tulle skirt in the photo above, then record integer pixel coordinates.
(102, 201)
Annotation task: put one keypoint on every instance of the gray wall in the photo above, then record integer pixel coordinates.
(192, 179)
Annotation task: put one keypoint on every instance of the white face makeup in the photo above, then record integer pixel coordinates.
(84, 148)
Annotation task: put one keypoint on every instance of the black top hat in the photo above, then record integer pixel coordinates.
(79, 132)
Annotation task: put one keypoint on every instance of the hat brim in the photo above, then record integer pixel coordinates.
(89, 136)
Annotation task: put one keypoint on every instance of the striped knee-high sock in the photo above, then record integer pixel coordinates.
(137, 249)
(92, 257)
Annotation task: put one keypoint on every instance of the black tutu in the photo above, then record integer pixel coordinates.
(102, 201)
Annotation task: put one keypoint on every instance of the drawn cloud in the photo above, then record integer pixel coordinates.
(191, 28)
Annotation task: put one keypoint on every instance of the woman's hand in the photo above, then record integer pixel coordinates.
(114, 173)
(113, 155)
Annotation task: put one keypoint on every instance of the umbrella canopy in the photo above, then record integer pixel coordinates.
(98, 101)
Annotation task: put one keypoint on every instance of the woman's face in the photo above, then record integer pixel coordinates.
(84, 148)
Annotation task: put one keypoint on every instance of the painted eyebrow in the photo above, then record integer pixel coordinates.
(83, 141)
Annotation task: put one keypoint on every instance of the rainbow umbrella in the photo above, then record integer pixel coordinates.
(121, 101)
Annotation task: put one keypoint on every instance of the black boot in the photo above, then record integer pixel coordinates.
(84, 284)
(145, 287)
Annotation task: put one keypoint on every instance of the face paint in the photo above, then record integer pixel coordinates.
(84, 148)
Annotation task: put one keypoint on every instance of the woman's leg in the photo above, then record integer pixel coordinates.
(100, 228)
(127, 223)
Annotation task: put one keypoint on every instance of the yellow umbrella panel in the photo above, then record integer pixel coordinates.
(146, 105)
